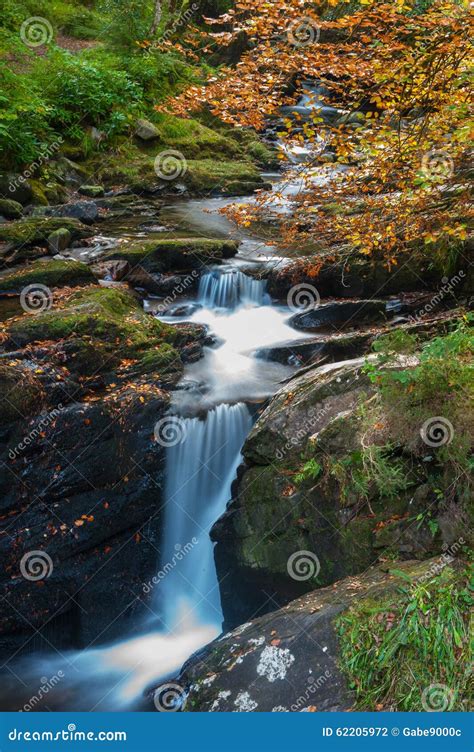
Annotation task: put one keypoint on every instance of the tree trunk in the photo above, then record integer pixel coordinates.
(156, 18)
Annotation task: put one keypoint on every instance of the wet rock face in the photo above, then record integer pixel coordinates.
(285, 533)
(81, 483)
(286, 661)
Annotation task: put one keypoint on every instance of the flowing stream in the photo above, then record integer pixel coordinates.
(212, 417)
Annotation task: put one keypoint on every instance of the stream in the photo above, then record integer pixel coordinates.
(214, 409)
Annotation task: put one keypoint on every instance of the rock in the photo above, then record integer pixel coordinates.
(289, 660)
(94, 191)
(68, 172)
(51, 273)
(317, 416)
(83, 484)
(16, 188)
(101, 500)
(146, 131)
(337, 316)
(10, 209)
(358, 276)
(31, 231)
(181, 254)
(59, 240)
(85, 211)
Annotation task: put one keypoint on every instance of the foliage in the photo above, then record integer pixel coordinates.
(439, 385)
(405, 65)
(393, 651)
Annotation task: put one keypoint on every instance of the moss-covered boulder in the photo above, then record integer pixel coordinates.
(366, 643)
(50, 273)
(36, 230)
(10, 209)
(322, 476)
(175, 254)
(102, 329)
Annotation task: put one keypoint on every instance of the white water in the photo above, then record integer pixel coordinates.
(230, 289)
(200, 471)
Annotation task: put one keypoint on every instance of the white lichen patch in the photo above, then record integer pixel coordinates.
(257, 641)
(209, 680)
(244, 703)
(274, 663)
(221, 696)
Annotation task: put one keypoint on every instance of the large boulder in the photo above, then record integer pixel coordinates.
(170, 254)
(296, 659)
(16, 188)
(304, 488)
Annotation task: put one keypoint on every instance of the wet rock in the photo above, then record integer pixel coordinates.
(336, 316)
(52, 273)
(85, 211)
(31, 231)
(181, 254)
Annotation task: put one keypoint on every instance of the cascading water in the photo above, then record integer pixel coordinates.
(231, 288)
(200, 470)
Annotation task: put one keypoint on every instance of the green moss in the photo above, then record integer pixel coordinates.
(170, 253)
(39, 196)
(396, 648)
(36, 230)
(50, 273)
(192, 138)
(217, 176)
(102, 327)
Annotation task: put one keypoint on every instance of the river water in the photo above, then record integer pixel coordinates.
(212, 408)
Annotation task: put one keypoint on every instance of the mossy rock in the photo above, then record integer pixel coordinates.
(210, 176)
(36, 230)
(10, 209)
(21, 393)
(50, 273)
(102, 328)
(175, 254)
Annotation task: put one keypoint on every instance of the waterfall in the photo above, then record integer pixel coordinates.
(200, 471)
(229, 289)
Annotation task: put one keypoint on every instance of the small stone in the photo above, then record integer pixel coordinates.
(59, 240)
(146, 131)
(93, 191)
